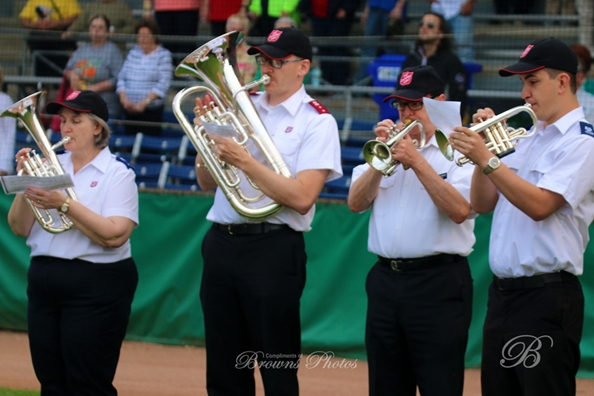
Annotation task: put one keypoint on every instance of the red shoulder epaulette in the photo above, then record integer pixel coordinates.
(320, 108)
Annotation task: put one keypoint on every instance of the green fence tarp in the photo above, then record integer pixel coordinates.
(166, 308)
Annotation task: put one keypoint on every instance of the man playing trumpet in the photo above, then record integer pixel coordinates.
(543, 202)
(420, 289)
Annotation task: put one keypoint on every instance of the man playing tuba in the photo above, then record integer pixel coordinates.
(254, 270)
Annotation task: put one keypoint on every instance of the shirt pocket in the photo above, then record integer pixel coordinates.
(288, 149)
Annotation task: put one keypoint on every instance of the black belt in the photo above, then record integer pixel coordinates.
(407, 264)
(531, 282)
(249, 228)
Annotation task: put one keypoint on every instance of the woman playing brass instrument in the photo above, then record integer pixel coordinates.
(80, 282)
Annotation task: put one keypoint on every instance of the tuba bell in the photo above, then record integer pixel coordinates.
(379, 154)
(25, 111)
(215, 63)
(500, 140)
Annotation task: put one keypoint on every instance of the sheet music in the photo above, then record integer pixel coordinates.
(227, 131)
(445, 115)
(19, 184)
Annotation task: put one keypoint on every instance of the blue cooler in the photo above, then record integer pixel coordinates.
(384, 71)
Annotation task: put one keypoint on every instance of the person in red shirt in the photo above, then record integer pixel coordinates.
(217, 13)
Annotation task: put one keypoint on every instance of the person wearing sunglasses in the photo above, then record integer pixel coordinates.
(254, 270)
(458, 14)
(421, 229)
(434, 47)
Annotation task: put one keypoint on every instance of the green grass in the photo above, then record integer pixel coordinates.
(17, 392)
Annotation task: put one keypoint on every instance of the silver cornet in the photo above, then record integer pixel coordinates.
(500, 140)
(379, 154)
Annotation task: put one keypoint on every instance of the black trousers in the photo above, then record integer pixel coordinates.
(417, 329)
(77, 318)
(335, 72)
(153, 114)
(250, 292)
(531, 340)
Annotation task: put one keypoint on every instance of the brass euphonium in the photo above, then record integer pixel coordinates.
(379, 154)
(215, 63)
(25, 110)
(500, 140)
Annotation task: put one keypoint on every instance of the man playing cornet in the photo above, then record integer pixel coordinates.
(543, 202)
(420, 290)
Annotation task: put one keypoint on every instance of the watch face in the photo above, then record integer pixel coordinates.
(494, 162)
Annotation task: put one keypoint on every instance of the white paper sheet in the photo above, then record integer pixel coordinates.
(445, 115)
(19, 184)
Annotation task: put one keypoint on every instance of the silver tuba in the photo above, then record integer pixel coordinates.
(215, 63)
(379, 154)
(25, 111)
(500, 140)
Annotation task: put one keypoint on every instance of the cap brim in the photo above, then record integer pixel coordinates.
(54, 108)
(269, 51)
(519, 68)
(411, 96)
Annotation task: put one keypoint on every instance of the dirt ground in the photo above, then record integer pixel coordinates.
(159, 370)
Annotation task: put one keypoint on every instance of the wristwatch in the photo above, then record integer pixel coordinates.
(65, 206)
(494, 163)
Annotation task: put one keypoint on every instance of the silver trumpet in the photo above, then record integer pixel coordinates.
(215, 63)
(25, 111)
(379, 154)
(500, 139)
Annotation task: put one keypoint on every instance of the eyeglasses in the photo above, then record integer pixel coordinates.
(414, 106)
(430, 25)
(274, 63)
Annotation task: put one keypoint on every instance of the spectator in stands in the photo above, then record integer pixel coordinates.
(284, 22)
(45, 17)
(458, 14)
(434, 47)
(332, 18)
(585, 22)
(586, 99)
(176, 18)
(510, 7)
(264, 13)
(7, 134)
(247, 64)
(118, 12)
(377, 16)
(217, 12)
(95, 66)
(144, 80)
(560, 7)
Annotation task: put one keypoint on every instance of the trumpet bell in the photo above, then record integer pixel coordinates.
(378, 155)
(444, 145)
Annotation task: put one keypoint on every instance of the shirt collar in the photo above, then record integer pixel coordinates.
(564, 123)
(291, 104)
(100, 162)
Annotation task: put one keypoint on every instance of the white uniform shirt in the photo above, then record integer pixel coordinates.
(405, 223)
(107, 187)
(559, 159)
(305, 139)
(7, 136)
